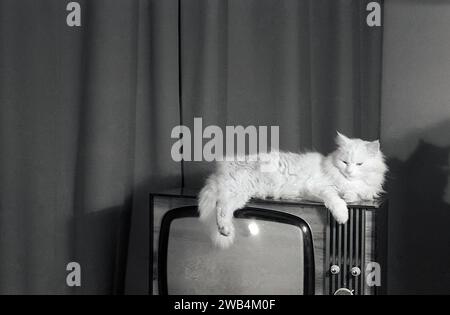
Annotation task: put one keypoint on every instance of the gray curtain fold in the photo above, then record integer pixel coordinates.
(86, 115)
(85, 118)
(310, 67)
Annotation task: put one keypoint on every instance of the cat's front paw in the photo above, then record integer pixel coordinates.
(369, 196)
(339, 211)
(225, 228)
(350, 196)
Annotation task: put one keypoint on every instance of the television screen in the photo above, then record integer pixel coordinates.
(267, 257)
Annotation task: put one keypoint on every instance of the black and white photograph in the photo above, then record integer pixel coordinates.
(226, 153)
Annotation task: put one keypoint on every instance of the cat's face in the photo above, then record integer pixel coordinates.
(355, 157)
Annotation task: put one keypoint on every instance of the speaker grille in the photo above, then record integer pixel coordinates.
(347, 250)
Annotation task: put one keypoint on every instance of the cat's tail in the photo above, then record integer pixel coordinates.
(207, 199)
(207, 207)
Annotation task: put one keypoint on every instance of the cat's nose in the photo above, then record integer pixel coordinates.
(350, 170)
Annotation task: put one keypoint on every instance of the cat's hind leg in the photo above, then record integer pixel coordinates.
(224, 219)
(225, 209)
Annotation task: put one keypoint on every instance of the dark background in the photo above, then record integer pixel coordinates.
(415, 134)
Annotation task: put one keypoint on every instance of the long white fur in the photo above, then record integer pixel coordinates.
(354, 171)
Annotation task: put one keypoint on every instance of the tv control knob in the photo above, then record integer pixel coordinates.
(343, 291)
(355, 271)
(335, 269)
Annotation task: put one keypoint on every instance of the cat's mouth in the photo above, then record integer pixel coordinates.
(348, 176)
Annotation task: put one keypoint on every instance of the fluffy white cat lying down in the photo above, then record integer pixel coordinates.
(354, 171)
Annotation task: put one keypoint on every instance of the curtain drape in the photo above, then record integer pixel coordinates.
(86, 115)
(309, 67)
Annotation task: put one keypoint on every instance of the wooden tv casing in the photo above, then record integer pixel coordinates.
(364, 236)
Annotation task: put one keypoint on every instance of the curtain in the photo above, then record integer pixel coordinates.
(86, 115)
(309, 67)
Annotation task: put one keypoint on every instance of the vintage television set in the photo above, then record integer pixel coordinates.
(281, 247)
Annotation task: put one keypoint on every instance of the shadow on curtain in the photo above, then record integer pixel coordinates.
(420, 212)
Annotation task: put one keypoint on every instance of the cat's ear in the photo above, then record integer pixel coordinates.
(341, 140)
(373, 147)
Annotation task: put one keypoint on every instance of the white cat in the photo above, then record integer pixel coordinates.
(354, 171)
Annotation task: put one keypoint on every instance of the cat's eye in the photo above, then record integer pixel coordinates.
(359, 164)
(345, 162)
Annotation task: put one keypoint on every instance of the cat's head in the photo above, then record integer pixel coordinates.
(355, 157)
